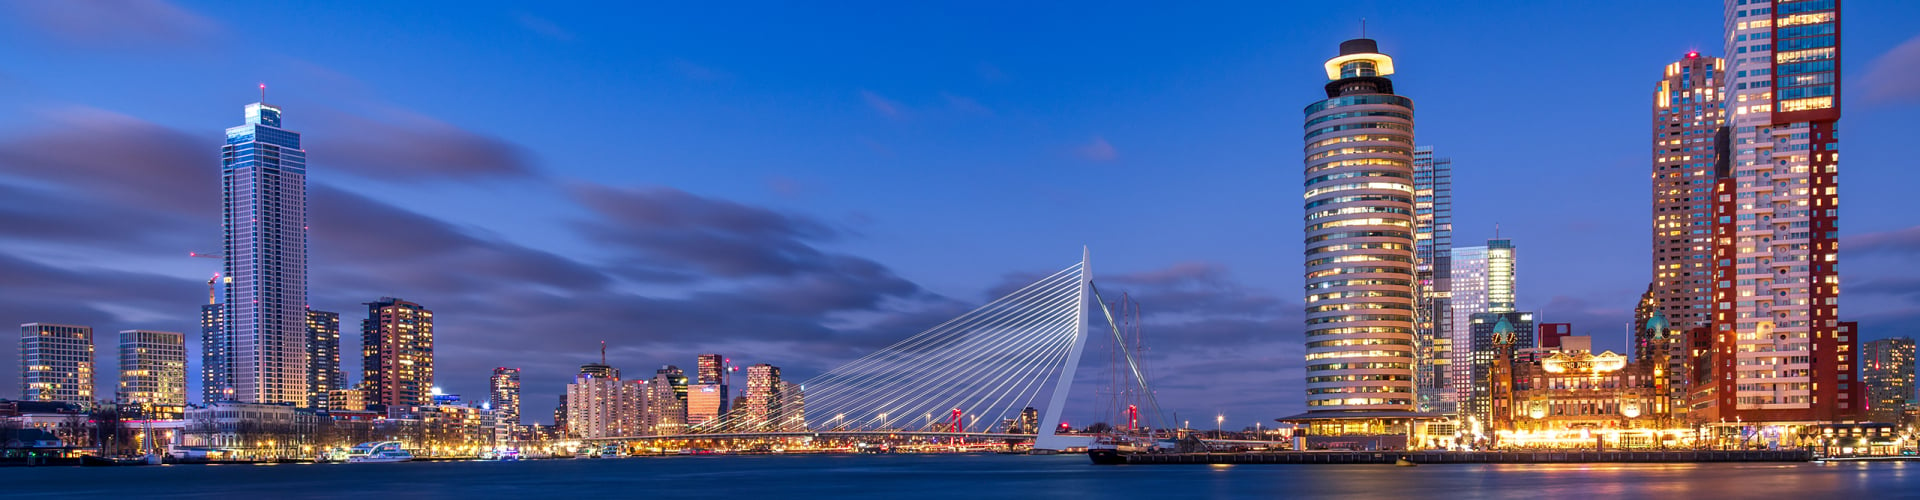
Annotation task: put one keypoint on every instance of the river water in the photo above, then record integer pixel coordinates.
(957, 476)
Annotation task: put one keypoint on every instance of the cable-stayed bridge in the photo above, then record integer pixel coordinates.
(1001, 371)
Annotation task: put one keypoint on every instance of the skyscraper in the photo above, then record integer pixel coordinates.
(762, 406)
(707, 396)
(1477, 396)
(1359, 237)
(667, 402)
(56, 363)
(1776, 222)
(504, 394)
(1688, 107)
(264, 181)
(595, 404)
(1483, 281)
(1433, 269)
(1886, 366)
(216, 356)
(323, 356)
(711, 368)
(793, 407)
(153, 372)
(396, 343)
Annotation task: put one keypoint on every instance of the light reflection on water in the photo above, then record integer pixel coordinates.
(975, 476)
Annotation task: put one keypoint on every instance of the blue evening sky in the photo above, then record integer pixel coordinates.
(793, 182)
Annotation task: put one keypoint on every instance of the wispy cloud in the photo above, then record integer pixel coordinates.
(966, 105)
(115, 24)
(880, 104)
(1098, 150)
(543, 26)
(1894, 77)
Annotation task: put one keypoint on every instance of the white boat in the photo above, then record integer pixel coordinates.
(503, 454)
(331, 456)
(378, 452)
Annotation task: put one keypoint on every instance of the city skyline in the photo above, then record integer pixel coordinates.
(805, 262)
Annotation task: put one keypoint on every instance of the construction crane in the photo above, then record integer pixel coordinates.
(212, 298)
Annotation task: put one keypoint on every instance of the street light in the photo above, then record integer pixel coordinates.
(1219, 425)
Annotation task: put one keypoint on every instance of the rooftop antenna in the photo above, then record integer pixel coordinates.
(1496, 230)
(1363, 29)
(603, 352)
(263, 92)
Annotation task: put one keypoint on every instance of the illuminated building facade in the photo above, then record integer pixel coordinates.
(153, 372)
(346, 400)
(710, 369)
(1886, 366)
(666, 412)
(1359, 238)
(1575, 398)
(264, 182)
(396, 342)
(793, 407)
(1482, 282)
(1780, 353)
(707, 396)
(323, 356)
(762, 405)
(705, 402)
(1688, 108)
(56, 363)
(1433, 275)
(1488, 330)
(596, 403)
(216, 368)
(503, 394)
(1360, 256)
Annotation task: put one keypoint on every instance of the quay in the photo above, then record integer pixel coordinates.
(1469, 457)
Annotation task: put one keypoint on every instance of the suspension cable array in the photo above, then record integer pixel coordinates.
(974, 373)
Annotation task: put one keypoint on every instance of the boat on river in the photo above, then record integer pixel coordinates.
(378, 452)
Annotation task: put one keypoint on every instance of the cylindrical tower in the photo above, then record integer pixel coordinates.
(1359, 235)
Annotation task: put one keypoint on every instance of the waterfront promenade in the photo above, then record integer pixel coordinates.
(1472, 457)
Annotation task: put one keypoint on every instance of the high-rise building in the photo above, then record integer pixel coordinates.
(264, 181)
(1780, 352)
(711, 369)
(1886, 367)
(1688, 107)
(153, 372)
(347, 400)
(666, 412)
(1360, 239)
(1643, 311)
(1433, 271)
(793, 407)
(1551, 333)
(1483, 281)
(56, 363)
(1488, 329)
(595, 404)
(762, 405)
(216, 357)
(504, 394)
(396, 343)
(323, 356)
(705, 402)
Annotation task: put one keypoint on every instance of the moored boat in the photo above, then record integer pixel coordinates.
(378, 452)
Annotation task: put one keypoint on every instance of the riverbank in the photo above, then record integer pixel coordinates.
(1468, 457)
